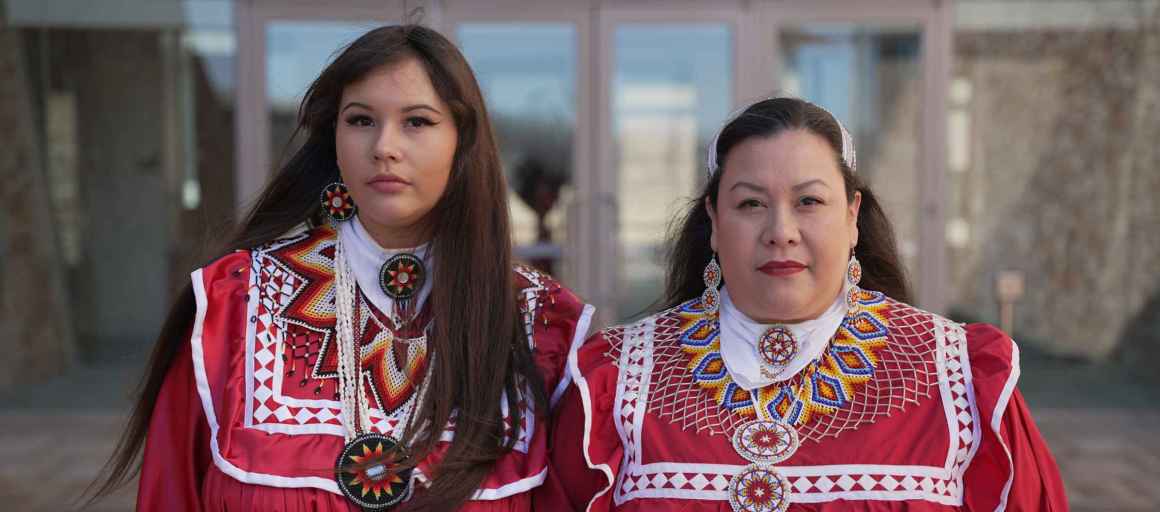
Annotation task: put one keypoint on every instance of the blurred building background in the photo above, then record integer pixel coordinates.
(1014, 142)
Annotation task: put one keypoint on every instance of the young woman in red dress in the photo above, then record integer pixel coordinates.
(368, 343)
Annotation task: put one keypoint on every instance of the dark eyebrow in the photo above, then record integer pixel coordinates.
(748, 185)
(800, 186)
(422, 106)
(355, 104)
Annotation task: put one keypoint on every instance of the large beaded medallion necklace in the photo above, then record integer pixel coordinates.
(777, 346)
(771, 437)
(759, 487)
(369, 470)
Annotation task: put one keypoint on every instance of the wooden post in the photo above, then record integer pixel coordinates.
(1009, 288)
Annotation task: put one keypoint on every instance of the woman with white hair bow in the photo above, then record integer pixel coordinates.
(786, 370)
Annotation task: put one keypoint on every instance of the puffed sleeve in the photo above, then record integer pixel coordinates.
(177, 447)
(1013, 468)
(558, 320)
(586, 451)
(561, 323)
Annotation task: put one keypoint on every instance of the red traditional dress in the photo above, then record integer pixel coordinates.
(899, 409)
(249, 417)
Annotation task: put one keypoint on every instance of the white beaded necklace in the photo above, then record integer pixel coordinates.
(355, 406)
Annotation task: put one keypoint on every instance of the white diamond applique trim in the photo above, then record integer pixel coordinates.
(808, 484)
(272, 287)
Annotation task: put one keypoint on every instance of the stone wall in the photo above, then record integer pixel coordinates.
(1062, 181)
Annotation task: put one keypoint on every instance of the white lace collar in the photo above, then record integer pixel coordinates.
(366, 258)
(739, 335)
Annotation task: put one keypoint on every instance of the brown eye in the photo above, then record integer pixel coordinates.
(359, 120)
(418, 122)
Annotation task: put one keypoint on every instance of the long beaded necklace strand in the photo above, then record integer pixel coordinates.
(368, 470)
(759, 487)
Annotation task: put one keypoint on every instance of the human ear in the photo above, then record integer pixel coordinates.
(712, 223)
(852, 215)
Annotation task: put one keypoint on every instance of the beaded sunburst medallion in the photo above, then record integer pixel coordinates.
(337, 203)
(369, 474)
(769, 442)
(759, 488)
(777, 346)
(402, 276)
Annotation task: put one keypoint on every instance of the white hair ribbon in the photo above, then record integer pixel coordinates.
(848, 154)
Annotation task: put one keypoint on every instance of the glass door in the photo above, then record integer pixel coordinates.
(883, 73)
(535, 70)
(868, 76)
(296, 52)
(671, 89)
(603, 112)
(527, 71)
(282, 47)
(669, 82)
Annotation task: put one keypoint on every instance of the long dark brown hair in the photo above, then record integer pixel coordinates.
(689, 249)
(479, 352)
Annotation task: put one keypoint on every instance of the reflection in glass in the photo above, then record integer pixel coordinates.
(671, 90)
(869, 76)
(133, 125)
(296, 52)
(528, 75)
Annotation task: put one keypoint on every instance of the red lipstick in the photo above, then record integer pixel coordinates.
(781, 268)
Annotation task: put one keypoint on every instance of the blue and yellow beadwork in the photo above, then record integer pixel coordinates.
(827, 384)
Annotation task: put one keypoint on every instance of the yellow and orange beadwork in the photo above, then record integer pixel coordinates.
(826, 385)
(394, 385)
(313, 260)
(368, 483)
(312, 310)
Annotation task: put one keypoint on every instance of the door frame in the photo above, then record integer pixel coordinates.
(593, 216)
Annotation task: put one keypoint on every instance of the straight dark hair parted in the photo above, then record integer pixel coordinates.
(688, 242)
(480, 355)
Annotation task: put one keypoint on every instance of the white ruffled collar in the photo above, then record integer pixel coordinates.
(739, 335)
(366, 258)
